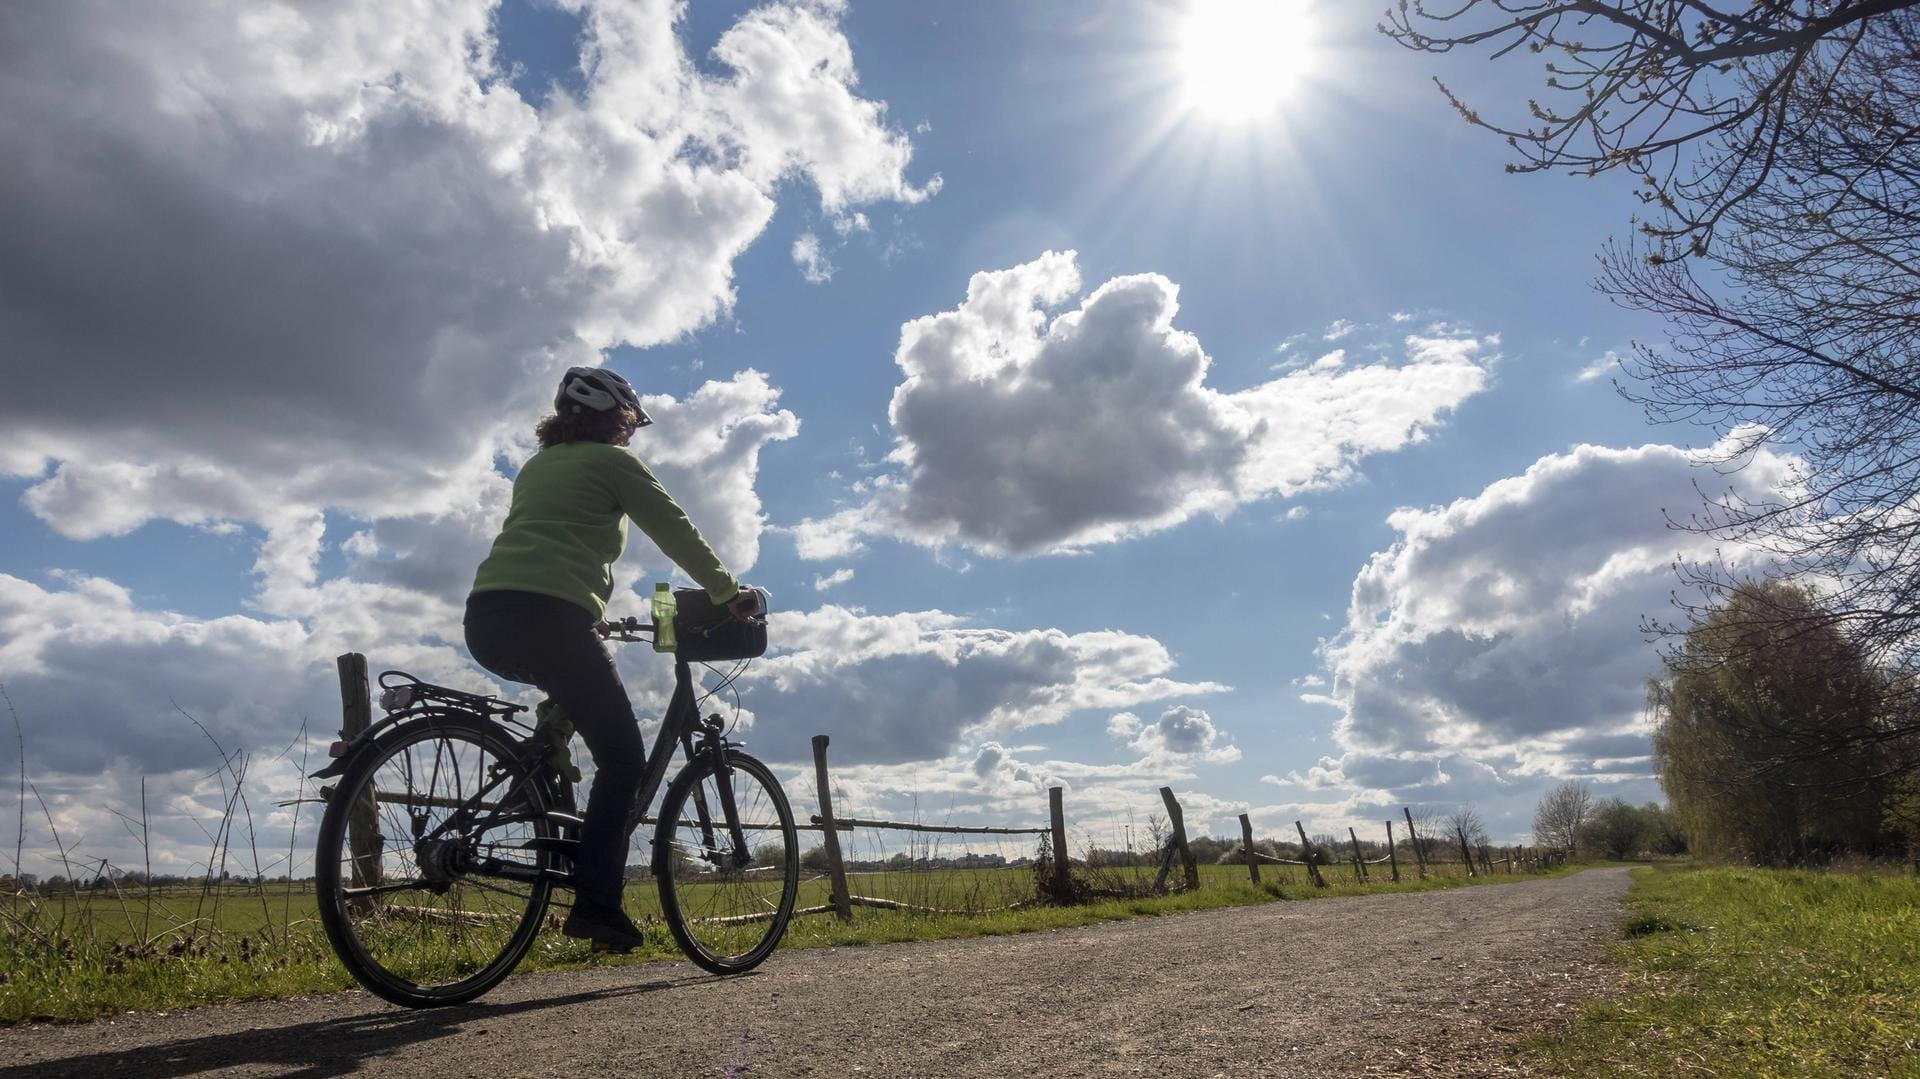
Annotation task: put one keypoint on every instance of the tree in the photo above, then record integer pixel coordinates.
(1636, 83)
(1233, 855)
(1209, 849)
(1465, 828)
(1616, 829)
(1663, 832)
(1779, 160)
(1431, 827)
(1561, 814)
(1772, 732)
(1159, 833)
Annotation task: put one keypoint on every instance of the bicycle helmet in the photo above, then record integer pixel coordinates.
(599, 389)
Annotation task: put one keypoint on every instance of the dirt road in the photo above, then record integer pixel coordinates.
(1433, 984)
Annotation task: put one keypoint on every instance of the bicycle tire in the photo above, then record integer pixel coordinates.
(456, 935)
(726, 917)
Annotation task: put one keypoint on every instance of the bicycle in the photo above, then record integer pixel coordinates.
(451, 825)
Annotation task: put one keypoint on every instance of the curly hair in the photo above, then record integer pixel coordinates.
(613, 426)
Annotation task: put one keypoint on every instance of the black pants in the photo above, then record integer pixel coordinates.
(550, 643)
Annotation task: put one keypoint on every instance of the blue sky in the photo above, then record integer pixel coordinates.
(1397, 553)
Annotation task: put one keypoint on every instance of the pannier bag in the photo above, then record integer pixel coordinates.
(705, 632)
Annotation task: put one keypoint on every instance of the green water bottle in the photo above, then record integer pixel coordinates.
(663, 608)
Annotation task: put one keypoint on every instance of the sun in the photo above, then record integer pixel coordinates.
(1239, 59)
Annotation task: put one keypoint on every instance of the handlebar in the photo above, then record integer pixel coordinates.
(632, 629)
(626, 629)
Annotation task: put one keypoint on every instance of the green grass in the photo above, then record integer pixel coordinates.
(79, 958)
(1758, 973)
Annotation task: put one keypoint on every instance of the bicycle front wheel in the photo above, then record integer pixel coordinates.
(432, 862)
(728, 862)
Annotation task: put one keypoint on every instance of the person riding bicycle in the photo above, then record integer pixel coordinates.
(534, 612)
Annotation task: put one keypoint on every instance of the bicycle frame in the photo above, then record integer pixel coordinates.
(677, 730)
(681, 721)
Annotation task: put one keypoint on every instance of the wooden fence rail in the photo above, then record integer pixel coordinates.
(846, 824)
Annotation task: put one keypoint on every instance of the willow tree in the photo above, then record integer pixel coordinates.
(1772, 732)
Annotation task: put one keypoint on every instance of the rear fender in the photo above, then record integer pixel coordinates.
(390, 726)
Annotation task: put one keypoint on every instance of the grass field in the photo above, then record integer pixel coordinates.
(1758, 973)
(78, 958)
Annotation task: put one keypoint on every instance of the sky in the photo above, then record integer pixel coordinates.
(1112, 395)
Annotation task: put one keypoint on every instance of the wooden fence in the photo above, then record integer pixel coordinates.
(1477, 860)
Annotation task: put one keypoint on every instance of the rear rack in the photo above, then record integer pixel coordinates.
(400, 691)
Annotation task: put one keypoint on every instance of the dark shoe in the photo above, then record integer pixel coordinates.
(609, 929)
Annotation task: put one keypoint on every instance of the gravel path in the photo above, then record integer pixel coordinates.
(1428, 984)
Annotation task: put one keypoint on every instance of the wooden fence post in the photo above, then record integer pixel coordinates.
(1419, 856)
(1246, 845)
(1306, 854)
(1062, 874)
(1393, 860)
(1179, 825)
(836, 869)
(1466, 848)
(356, 715)
(1359, 863)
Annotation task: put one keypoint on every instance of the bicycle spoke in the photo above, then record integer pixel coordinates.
(727, 915)
(422, 927)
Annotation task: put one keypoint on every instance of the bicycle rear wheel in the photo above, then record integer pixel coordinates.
(726, 896)
(429, 869)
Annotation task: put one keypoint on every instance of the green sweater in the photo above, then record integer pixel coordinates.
(568, 522)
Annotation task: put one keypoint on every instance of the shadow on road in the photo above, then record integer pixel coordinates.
(318, 1050)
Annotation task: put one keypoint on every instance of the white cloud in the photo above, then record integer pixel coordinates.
(1377, 773)
(997, 769)
(791, 109)
(832, 580)
(1180, 732)
(705, 449)
(814, 265)
(1605, 364)
(331, 260)
(1016, 433)
(104, 689)
(916, 685)
(1496, 645)
(97, 679)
